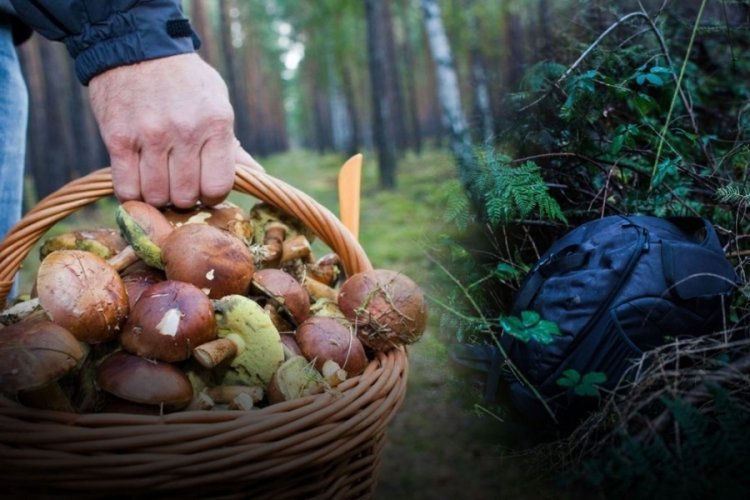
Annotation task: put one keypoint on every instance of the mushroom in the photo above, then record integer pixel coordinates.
(295, 378)
(168, 321)
(318, 290)
(34, 354)
(295, 247)
(238, 397)
(211, 259)
(247, 337)
(327, 269)
(386, 307)
(324, 340)
(23, 310)
(104, 242)
(290, 345)
(226, 216)
(284, 291)
(82, 293)
(143, 381)
(145, 228)
(271, 227)
(139, 280)
(329, 309)
(281, 323)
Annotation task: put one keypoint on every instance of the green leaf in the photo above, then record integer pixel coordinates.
(582, 385)
(617, 142)
(586, 390)
(570, 378)
(595, 378)
(666, 168)
(530, 318)
(644, 103)
(661, 70)
(530, 326)
(654, 80)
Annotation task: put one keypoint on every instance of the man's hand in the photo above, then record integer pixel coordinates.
(168, 127)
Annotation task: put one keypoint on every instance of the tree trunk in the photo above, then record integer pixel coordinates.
(234, 73)
(355, 138)
(411, 86)
(449, 96)
(393, 77)
(202, 24)
(481, 94)
(515, 45)
(58, 148)
(546, 47)
(383, 132)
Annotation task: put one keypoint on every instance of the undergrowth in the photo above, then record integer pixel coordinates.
(647, 116)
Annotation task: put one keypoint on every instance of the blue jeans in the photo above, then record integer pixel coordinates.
(13, 120)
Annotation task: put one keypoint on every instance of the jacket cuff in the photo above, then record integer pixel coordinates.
(148, 30)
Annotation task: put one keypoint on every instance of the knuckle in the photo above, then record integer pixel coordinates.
(120, 142)
(154, 133)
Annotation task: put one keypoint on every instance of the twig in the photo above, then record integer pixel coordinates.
(583, 56)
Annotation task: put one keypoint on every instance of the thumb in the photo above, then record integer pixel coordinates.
(242, 157)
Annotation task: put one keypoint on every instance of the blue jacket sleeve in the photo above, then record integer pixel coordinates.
(104, 34)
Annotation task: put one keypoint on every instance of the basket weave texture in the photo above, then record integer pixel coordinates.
(323, 446)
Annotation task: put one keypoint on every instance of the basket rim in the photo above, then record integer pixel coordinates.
(90, 188)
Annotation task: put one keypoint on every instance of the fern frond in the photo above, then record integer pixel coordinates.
(733, 194)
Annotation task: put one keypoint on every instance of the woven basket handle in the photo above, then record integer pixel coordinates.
(86, 190)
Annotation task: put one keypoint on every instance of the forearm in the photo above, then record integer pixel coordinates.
(105, 34)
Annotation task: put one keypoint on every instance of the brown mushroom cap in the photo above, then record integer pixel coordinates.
(82, 293)
(386, 306)
(284, 290)
(139, 380)
(139, 280)
(168, 321)
(211, 259)
(321, 339)
(35, 353)
(226, 216)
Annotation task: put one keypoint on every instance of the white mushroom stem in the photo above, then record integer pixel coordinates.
(241, 402)
(230, 393)
(333, 373)
(273, 242)
(296, 247)
(200, 401)
(123, 258)
(28, 309)
(213, 353)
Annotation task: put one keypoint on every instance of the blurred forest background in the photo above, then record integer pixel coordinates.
(489, 128)
(331, 75)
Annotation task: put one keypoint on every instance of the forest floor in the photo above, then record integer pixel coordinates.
(440, 443)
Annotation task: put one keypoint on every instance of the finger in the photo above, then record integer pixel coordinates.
(126, 179)
(244, 158)
(154, 172)
(217, 169)
(184, 176)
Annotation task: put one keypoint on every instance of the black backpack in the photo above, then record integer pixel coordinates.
(615, 287)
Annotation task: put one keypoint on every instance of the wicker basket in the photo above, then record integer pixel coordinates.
(325, 446)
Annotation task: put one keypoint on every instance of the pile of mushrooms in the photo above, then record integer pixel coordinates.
(188, 310)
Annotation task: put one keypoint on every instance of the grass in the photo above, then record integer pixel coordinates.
(436, 446)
